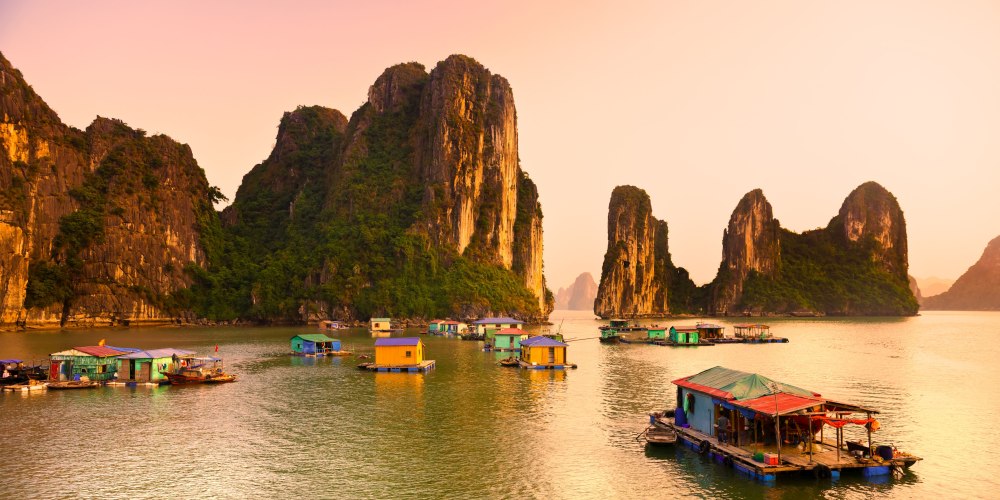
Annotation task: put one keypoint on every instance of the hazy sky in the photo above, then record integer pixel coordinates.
(696, 102)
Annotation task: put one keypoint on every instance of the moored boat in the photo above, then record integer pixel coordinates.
(206, 370)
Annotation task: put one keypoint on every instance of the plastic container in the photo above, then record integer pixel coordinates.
(884, 451)
(759, 456)
(770, 459)
(680, 418)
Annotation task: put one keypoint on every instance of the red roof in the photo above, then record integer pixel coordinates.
(451, 322)
(512, 331)
(100, 351)
(782, 402)
(683, 382)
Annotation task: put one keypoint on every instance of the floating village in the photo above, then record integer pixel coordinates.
(760, 427)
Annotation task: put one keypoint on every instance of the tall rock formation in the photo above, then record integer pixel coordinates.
(857, 265)
(96, 226)
(579, 296)
(978, 289)
(416, 206)
(749, 245)
(637, 270)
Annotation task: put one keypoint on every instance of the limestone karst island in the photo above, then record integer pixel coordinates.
(608, 250)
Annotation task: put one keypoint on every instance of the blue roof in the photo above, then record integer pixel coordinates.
(156, 353)
(541, 342)
(391, 341)
(123, 349)
(10, 360)
(486, 321)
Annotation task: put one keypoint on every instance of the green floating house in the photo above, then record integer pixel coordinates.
(656, 334)
(151, 365)
(509, 339)
(95, 362)
(314, 344)
(684, 335)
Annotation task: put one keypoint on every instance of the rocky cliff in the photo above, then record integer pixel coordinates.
(416, 206)
(96, 226)
(637, 272)
(978, 289)
(579, 296)
(749, 244)
(857, 265)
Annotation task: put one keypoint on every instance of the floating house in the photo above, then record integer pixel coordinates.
(775, 428)
(381, 325)
(98, 363)
(314, 344)
(711, 331)
(540, 353)
(509, 339)
(490, 326)
(684, 335)
(331, 325)
(399, 354)
(454, 327)
(150, 365)
(756, 333)
(656, 334)
(435, 327)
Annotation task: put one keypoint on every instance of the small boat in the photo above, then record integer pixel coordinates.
(220, 379)
(72, 384)
(511, 361)
(365, 366)
(658, 435)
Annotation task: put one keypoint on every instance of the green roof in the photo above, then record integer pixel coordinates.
(743, 385)
(314, 337)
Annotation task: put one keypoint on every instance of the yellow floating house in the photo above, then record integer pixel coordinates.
(381, 324)
(400, 354)
(543, 353)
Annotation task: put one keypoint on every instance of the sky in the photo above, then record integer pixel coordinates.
(697, 102)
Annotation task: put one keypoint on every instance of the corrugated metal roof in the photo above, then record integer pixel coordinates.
(779, 404)
(396, 341)
(100, 351)
(314, 337)
(489, 321)
(167, 352)
(512, 331)
(382, 320)
(734, 384)
(10, 361)
(124, 349)
(541, 342)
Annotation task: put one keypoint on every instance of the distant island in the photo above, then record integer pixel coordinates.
(856, 265)
(415, 207)
(578, 296)
(978, 289)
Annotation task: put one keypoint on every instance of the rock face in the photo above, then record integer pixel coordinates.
(579, 296)
(416, 206)
(978, 289)
(749, 244)
(635, 274)
(96, 226)
(857, 265)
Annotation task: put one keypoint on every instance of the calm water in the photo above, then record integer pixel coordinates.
(321, 428)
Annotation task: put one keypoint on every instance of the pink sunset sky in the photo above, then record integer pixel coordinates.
(696, 102)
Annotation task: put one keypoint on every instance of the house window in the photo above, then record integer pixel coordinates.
(409, 354)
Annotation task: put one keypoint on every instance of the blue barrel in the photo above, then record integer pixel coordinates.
(884, 451)
(679, 417)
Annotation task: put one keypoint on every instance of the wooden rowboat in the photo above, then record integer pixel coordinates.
(658, 436)
(220, 379)
(511, 361)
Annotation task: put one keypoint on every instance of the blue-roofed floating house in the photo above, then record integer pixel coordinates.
(490, 326)
(543, 353)
(399, 354)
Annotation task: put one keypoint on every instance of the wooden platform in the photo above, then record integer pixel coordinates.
(425, 366)
(529, 366)
(793, 462)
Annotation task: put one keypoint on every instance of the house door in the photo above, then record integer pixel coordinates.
(552, 355)
(54, 370)
(131, 369)
(144, 372)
